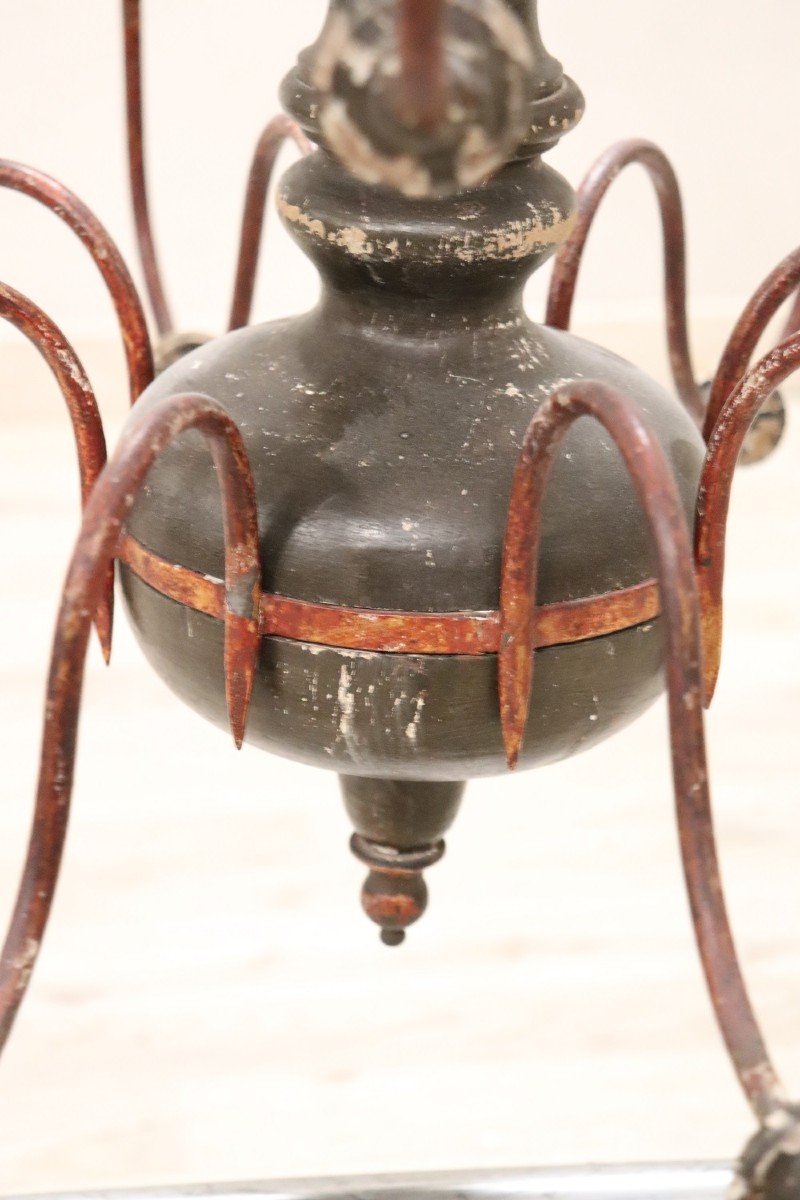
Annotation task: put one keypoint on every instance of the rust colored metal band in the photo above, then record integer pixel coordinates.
(378, 631)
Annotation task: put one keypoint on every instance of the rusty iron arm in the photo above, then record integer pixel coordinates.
(106, 257)
(110, 503)
(658, 495)
(423, 92)
(131, 16)
(266, 152)
(570, 256)
(793, 321)
(716, 481)
(779, 285)
(87, 425)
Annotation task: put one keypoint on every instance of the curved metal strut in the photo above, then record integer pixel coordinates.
(779, 285)
(132, 24)
(658, 495)
(106, 257)
(279, 129)
(570, 256)
(87, 426)
(110, 503)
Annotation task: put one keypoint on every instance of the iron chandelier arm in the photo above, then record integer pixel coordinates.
(713, 500)
(658, 495)
(657, 492)
(430, 97)
(570, 256)
(132, 24)
(269, 145)
(106, 257)
(420, 36)
(779, 285)
(278, 130)
(108, 507)
(793, 323)
(87, 424)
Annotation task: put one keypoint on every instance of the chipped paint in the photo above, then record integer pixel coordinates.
(436, 134)
(295, 216)
(515, 239)
(413, 724)
(344, 710)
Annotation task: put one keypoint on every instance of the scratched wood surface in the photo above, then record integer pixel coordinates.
(211, 1004)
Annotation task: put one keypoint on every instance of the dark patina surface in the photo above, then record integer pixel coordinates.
(418, 295)
(383, 429)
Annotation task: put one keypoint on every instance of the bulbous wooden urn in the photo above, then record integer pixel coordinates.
(383, 429)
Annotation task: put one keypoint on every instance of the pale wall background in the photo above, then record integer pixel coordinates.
(210, 1002)
(713, 81)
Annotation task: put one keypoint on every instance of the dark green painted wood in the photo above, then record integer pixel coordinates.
(383, 428)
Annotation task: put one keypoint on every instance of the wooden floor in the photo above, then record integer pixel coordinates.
(211, 1004)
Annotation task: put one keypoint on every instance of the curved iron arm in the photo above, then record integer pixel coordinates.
(420, 29)
(658, 495)
(759, 311)
(131, 16)
(793, 322)
(716, 481)
(110, 503)
(87, 425)
(570, 256)
(267, 149)
(106, 257)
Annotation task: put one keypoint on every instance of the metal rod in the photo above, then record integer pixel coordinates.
(131, 13)
(691, 1181)
(267, 149)
(422, 90)
(87, 425)
(779, 285)
(111, 501)
(793, 321)
(716, 481)
(570, 256)
(658, 495)
(106, 257)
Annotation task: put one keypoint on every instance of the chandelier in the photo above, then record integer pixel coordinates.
(413, 536)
